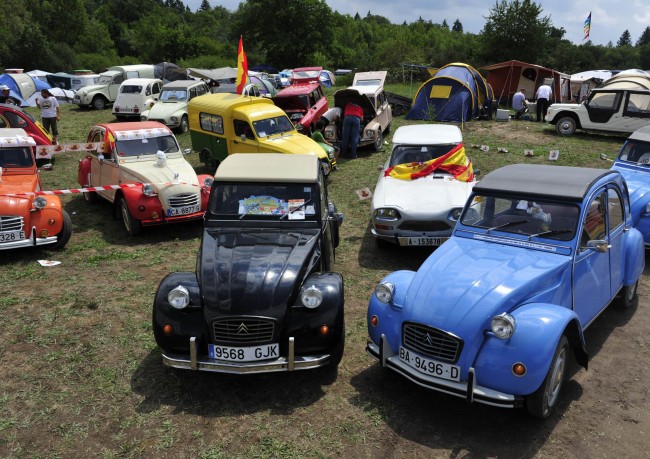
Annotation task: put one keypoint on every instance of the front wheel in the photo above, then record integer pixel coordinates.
(184, 126)
(544, 400)
(379, 143)
(627, 296)
(566, 126)
(66, 231)
(132, 224)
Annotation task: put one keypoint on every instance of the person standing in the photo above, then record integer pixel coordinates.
(5, 98)
(50, 113)
(519, 103)
(543, 96)
(352, 116)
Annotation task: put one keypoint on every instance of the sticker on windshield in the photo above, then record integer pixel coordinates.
(296, 209)
(262, 205)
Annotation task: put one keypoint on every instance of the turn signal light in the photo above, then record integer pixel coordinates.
(45, 233)
(519, 369)
(167, 329)
(155, 216)
(374, 321)
(324, 330)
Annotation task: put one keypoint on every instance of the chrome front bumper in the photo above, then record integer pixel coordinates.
(33, 241)
(288, 363)
(463, 389)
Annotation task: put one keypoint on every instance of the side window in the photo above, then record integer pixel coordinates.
(211, 123)
(156, 88)
(15, 121)
(192, 93)
(616, 211)
(243, 128)
(638, 105)
(147, 92)
(594, 223)
(203, 89)
(118, 79)
(605, 100)
(3, 122)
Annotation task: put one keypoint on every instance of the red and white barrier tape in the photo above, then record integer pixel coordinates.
(91, 189)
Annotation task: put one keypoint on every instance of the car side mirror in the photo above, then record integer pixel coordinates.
(477, 172)
(599, 245)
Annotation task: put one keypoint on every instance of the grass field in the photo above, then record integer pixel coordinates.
(81, 375)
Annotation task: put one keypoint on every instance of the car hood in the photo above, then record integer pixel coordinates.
(17, 184)
(429, 194)
(254, 271)
(565, 107)
(466, 282)
(163, 179)
(638, 185)
(91, 88)
(292, 143)
(343, 96)
(164, 109)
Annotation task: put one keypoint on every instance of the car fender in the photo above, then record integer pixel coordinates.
(372, 126)
(135, 198)
(539, 327)
(388, 316)
(185, 323)
(634, 264)
(41, 219)
(83, 172)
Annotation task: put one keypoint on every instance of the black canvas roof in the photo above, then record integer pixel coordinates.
(558, 182)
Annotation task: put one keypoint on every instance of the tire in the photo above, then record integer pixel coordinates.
(99, 103)
(379, 143)
(544, 400)
(184, 126)
(627, 296)
(91, 197)
(132, 225)
(337, 351)
(66, 231)
(566, 126)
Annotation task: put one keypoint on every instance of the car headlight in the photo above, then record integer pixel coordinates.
(40, 202)
(179, 297)
(174, 119)
(503, 326)
(311, 297)
(384, 292)
(387, 213)
(147, 190)
(454, 214)
(370, 134)
(207, 182)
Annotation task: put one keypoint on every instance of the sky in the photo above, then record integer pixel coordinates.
(609, 18)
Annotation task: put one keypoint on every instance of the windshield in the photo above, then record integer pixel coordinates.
(16, 157)
(146, 146)
(264, 201)
(405, 154)
(105, 79)
(173, 95)
(270, 126)
(635, 151)
(521, 215)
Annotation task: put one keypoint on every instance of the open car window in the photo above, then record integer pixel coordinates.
(521, 215)
(265, 202)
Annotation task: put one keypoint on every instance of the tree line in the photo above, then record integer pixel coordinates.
(62, 35)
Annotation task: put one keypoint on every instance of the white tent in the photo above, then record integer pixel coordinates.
(40, 74)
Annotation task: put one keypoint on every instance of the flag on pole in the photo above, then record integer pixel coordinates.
(587, 26)
(242, 67)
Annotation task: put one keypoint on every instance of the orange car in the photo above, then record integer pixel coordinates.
(27, 220)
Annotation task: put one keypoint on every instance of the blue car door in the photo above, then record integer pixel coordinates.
(591, 269)
(616, 224)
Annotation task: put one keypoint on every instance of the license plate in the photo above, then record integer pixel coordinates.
(244, 354)
(431, 241)
(173, 211)
(10, 236)
(429, 366)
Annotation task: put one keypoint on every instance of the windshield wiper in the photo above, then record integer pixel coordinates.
(249, 210)
(550, 232)
(506, 225)
(295, 209)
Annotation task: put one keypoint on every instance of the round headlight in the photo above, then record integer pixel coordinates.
(179, 297)
(384, 292)
(147, 190)
(40, 202)
(503, 326)
(311, 297)
(387, 213)
(207, 182)
(174, 119)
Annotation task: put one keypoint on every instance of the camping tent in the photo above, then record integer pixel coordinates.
(506, 78)
(457, 92)
(629, 79)
(582, 83)
(327, 78)
(22, 86)
(40, 74)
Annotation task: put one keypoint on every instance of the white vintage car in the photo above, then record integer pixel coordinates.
(171, 108)
(422, 188)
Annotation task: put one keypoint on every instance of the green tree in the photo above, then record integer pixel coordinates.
(515, 30)
(625, 40)
(457, 27)
(644, 39)
(205, 6)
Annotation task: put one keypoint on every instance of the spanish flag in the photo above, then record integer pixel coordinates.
(242, 67)
(109, 142)
(455, 162)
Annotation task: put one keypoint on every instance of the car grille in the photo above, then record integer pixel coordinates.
(424, 226)
(431, 342)
(243, 331)
(11, 223)
(183, 200)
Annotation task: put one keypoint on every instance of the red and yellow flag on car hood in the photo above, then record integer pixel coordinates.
(455, 162)
(242, 68)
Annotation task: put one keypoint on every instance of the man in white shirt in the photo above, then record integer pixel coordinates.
(50, 113)
(519, 103)
(543, 96)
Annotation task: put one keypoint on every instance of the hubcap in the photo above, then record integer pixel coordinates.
(556, 379)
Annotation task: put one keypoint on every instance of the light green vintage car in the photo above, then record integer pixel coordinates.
(171, 109)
